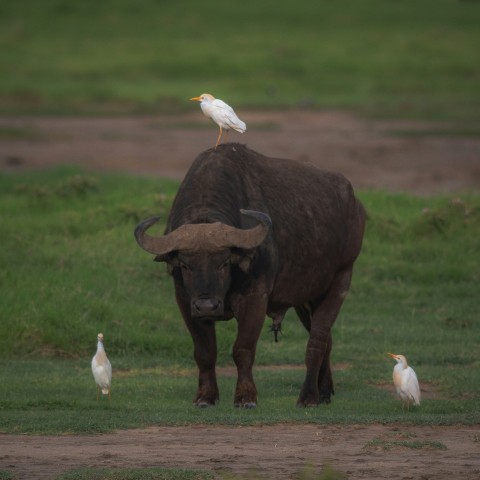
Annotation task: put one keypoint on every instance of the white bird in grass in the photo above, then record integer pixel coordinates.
(221, 113)
(405, 381)
(102, 369)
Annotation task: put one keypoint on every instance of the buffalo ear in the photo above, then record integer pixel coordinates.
(243, 258)
(170, 260)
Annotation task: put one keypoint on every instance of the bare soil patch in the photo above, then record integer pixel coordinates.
(418, 157)
(373, 155)
(280, 451)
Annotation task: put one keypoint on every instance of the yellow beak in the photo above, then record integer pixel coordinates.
(198, 99)
(392, 355)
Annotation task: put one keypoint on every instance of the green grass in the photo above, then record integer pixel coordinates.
(155, 473)
(410, 444)
(308, 473)
(18, 133)
(71, 268)
(134, 474)
(404, 58)
(7, 475)
(403, 440)
(438, 132)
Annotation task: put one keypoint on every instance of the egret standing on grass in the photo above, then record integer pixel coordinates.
(221, 113)
(102, 369)
(405, 381)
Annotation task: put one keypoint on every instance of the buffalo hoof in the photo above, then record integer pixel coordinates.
(313, 403)
(324, 399)
(203, 403)
(245, 405)
(304, 404)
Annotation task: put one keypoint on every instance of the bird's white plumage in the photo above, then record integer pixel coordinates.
(102, 368)
(221, 113)
(405, 381)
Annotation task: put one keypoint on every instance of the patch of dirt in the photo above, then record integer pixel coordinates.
(373, 155)
(263, 452)
(389, 155)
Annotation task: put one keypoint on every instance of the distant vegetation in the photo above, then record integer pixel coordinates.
(404, 58)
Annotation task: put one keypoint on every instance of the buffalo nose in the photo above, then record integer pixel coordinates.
(206, 306)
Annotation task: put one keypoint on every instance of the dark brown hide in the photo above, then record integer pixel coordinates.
(304, 260)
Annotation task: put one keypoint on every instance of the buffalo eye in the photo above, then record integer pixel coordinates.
(184, 266)
(224, 264)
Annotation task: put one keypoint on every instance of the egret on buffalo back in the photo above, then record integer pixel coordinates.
(221, 113)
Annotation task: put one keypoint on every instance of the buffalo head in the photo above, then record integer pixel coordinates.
(201, 256)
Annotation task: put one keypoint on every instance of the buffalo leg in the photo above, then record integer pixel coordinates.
(325, 380)
(250, 318)
(205, 354)
(318, 385)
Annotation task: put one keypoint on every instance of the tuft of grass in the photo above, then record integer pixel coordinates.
(74, 185)
(7, 475)
(455, 131)
(382, 444)
(153, 473)
(19, 133)
(307, 473)
(404, 440)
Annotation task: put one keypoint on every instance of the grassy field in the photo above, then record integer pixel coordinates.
(408, 58)
(71, 268)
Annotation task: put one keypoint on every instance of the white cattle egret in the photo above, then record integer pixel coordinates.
(405, 381)
(221, 113)
(102, 368)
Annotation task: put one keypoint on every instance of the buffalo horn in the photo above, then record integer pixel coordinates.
(204, 236)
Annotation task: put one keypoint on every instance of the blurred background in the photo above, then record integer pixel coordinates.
(414, 59)
(385, 92)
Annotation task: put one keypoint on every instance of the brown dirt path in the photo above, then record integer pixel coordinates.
(371, 153)
(262, 452)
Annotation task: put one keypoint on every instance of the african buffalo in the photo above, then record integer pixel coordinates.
(250, 236)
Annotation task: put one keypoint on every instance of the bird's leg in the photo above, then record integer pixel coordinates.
(98, 392)
(219, 137)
